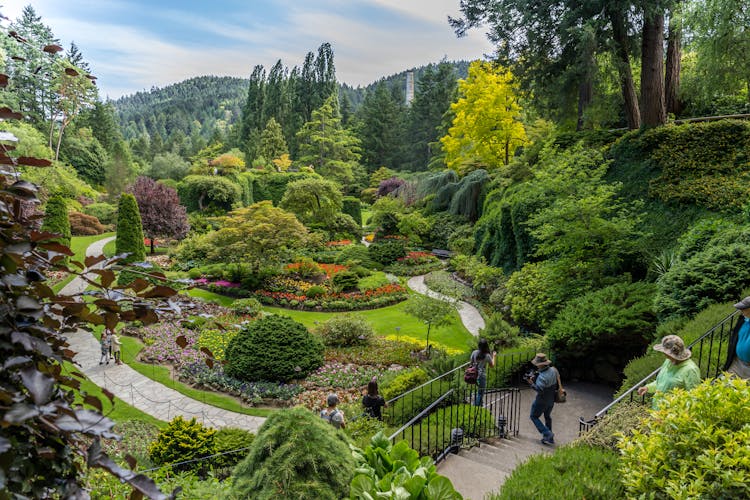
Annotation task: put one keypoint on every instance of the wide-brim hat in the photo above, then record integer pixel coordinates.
(540, 360)
(674, 347)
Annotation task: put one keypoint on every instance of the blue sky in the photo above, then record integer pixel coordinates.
(133, 45)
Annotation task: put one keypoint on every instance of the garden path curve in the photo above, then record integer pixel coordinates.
(138, 390)
(470, 316)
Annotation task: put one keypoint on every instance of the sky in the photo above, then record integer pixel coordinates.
(133, 45)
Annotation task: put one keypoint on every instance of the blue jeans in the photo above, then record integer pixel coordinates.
(481, 384)
(537, 409)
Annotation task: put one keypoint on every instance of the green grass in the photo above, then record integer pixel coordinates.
(110, 249)
(130, 349)
(453, 336)
(119, 410)
(79, 244)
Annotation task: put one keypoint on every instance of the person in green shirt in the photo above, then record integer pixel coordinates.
(677, 371)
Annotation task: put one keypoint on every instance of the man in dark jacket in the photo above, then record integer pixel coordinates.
(738, 355)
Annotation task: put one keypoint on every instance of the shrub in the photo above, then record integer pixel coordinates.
(499, 333)
(315, 291)
(194, 273)
(273, 348)
(476, 422)
(344, 330)
(386, 253)
(397, 471)
(345, 281)
(305, 268)
(250, 307)
(407, 379)
(56, 220)
(129, 230)
(296, 454)
(228, 439)
(129, 275)
(620, 421)
(373, 281)
(182, 440)
(84, 225)
(616, 319)
(578, 471)
(531, 295)
(353, 207)
(356, 254)
(104, 212)
(694, 445)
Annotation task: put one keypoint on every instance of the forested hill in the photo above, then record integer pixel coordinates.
(201, 105)
(194, 106)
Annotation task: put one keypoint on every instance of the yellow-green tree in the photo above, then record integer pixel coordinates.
(486, 127)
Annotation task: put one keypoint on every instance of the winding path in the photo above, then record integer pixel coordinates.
(470, 316)
(138, 390)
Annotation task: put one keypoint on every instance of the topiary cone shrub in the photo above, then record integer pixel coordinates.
(275, 349)
(56, 220)
(296, 454)
(129, 230)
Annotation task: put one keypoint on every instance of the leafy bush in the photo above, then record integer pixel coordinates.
(84, 225)
(315, 291)
(373, 281)
(578, 471)
(353, 207)
(356, 254)
(616, 319)
(618, 422)
(104, 212)
(182, 440)
(273, 348)
(396, 471)
(706, 277)
(250, 307)
(499, 333)
(345, 281)
(362, 428)
(531, 294)
(694, 444)
(405, 380)
(129, 230)
(387, 252)
(304, 268)
(56, 220)
(296, 454)
(345, 330)
(228, 439)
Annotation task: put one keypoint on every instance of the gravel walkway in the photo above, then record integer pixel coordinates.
(138, 390)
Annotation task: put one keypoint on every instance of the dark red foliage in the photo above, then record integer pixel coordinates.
(161, 213)
(389, 186)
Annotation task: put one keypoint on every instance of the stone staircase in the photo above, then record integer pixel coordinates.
(480, 470)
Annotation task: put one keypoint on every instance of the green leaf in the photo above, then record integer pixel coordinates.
(441, 488)
(415, 485)
(380, 440)
(361, 487)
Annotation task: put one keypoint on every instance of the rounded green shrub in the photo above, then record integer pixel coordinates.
(180, 441)
(345, 281)
(695, 445)
(499, 333)
(574, 472)
(296, 454)
(315, 291)
(405, 380)
(387, 253)
(356, 254)
(250, 307)
(344, 330)
(129, 230)
(105, 212)
(275, 349)
(194, 273)
(353, 207)
(228, 439)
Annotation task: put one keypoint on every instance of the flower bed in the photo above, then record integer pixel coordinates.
(350, 301)
(162, 348)
(339, 243)
(379, 351)
(341, 375)
(415, 263)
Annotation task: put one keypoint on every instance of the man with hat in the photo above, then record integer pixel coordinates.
(738, 355)
(677, 371)
(545, 386)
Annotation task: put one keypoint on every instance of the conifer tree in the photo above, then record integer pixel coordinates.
(129, 229)
(382, 117)
(272, 142)
(56, 219)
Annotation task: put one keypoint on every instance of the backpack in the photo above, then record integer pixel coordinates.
(333, 418)
(471, 374)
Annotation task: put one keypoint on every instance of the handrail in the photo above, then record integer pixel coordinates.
(640, 383)
(394, 399)
(421, 414)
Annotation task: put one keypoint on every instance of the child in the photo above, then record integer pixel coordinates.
(333, 415)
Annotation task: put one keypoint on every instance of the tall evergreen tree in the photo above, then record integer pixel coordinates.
(129, 230)
(272, 143)
(252, 113)
(102, 121)
(381, 118)
(333, 151)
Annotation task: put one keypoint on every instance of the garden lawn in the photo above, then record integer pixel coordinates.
(120, 411)
(78, 245)
(454, 336)
(130, 349)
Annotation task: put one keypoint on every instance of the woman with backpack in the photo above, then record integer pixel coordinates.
(480, 358)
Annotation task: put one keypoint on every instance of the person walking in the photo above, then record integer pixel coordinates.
(105, 344)
(738, 352)
(333, 415)
(545, 383)
(481, 357)
(372, 401)
(115, 343)
(677, 371)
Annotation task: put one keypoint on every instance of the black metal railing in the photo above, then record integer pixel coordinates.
(506, 373)
(708, 352)
(452, 420)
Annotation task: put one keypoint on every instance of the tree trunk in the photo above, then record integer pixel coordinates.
(672, 79)
(151, 240)
(653, 110)
(585, 95)
(622, 61)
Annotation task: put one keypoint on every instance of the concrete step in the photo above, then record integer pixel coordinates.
(471, 478)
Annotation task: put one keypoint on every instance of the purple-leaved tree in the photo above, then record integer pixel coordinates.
(161, 212)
